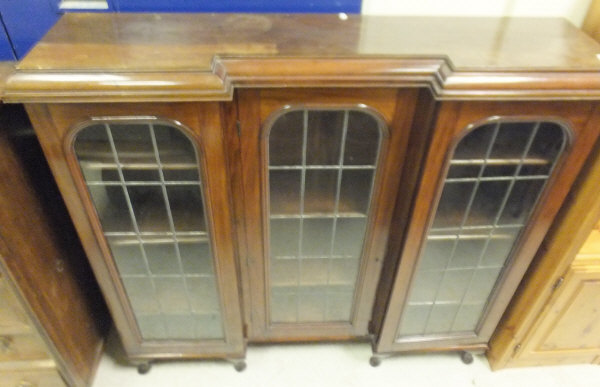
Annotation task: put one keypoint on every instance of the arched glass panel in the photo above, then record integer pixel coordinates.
(144, 182)
(496, 176)
(321, 167)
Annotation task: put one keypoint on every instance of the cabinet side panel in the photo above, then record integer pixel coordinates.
(412, 165)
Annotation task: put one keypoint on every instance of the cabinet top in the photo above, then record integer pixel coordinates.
(204, 56)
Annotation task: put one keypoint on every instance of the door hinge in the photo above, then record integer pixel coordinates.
(558, 282)
(245, 330)
(516, 349)
(238, 126)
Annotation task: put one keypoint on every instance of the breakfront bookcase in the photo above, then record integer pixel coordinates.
(272, 178)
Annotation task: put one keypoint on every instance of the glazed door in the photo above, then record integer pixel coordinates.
(153, 192)
(496, 174)
(319, 177)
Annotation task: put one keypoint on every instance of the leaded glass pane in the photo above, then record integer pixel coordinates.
(143, 179)
(496, 176)
(321, 169)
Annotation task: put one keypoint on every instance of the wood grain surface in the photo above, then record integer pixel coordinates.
(183, 57)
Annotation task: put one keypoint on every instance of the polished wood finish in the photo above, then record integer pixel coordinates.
(540, 309)
(6, 69)
(47, 272)
(56, 126)
(591, 24)
(182, 57)
(170, 42)
(452, 121)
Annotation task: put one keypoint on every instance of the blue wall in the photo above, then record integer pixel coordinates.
(26, 21)
(283, 6)
(6, 50)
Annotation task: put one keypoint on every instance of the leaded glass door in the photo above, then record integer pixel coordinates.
(322, 159)
(492, 180)
(496, 176)
(157, 223)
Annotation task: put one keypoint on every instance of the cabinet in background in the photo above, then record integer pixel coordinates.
(554, 319)
(52, 318)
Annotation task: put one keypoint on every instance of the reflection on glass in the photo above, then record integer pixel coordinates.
(284, 138)
(143, 179)
(321, 169)
(324, 137)
(284, 191)
(320, 187)
(496, 176)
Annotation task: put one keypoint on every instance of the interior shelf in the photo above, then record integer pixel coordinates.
(501, 161)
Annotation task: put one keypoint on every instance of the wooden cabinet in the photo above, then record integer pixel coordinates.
(570, 332)
(52, 319)
(554, 320)
(24, 357)
(254, 178)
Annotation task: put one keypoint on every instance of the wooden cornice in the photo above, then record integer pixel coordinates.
(229, 73)
(200, 57)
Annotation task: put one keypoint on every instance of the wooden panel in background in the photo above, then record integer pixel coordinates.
(591, 24)
(536, 302)
(47, 267)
